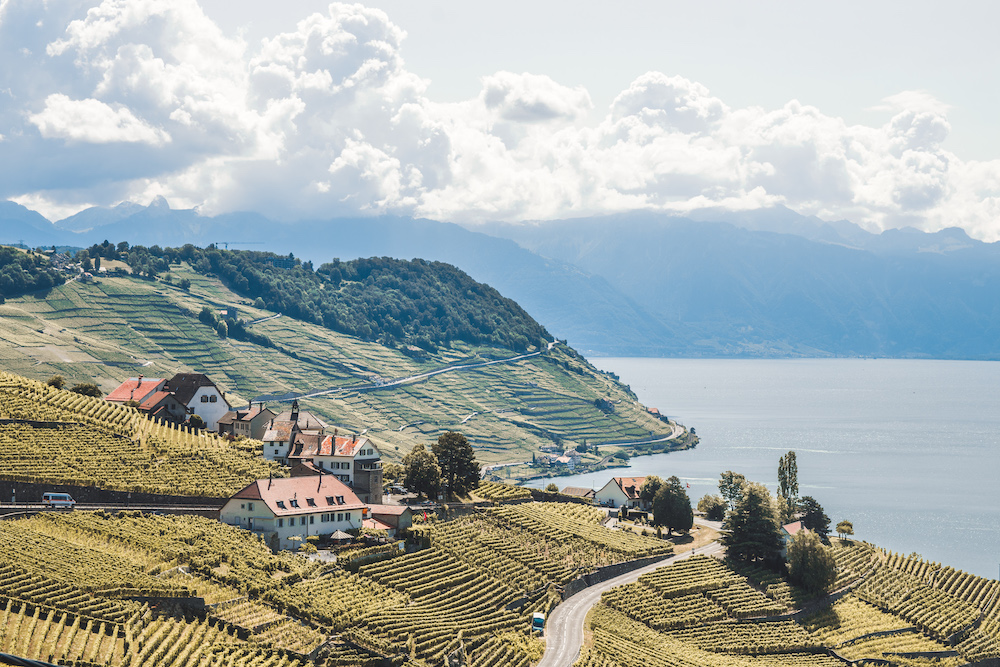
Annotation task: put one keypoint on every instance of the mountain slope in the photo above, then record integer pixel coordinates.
(120, 327)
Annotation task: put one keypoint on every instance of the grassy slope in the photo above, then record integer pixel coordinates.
(105, 332)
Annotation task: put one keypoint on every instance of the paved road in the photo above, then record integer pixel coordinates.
(564, 628)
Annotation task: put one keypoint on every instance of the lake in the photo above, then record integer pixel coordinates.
(908, 450)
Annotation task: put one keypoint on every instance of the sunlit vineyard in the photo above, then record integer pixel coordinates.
(500, 492)
(90, 442)
(902, 610)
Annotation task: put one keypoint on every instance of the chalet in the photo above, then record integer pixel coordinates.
(201, 397)
(279, 509)
(621, 491)
(249, 422)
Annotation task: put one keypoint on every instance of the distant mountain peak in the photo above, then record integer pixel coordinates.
(159, 202)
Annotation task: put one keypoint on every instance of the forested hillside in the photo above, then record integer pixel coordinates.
(23, 272)
(391, 301)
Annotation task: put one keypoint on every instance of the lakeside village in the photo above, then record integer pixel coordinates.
(337, 490)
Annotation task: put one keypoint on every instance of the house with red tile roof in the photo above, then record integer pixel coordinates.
(164, 406)
(281, 508)
(788, 533)
(397, 517)
(621, 491)
(135, 389)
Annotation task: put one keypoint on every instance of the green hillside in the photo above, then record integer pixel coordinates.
(119, 327)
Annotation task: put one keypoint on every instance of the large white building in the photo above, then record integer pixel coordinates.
(281, 508)
(201, 397)
(621, 491)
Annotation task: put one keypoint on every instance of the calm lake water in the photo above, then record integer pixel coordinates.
(908, 450)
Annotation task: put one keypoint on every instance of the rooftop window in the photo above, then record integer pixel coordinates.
(295, 503)
(340, 500)
(281, 504)
(310, 502)
(330, 500)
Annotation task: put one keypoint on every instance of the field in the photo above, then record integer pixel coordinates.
(77, 586)
(703, 612)
(120, 327)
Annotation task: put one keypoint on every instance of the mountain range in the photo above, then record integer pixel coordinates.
(768, 283)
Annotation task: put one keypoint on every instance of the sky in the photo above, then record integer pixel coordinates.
(879, 113)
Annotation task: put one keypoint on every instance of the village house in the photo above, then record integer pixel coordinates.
(248, 422)
(354, 460)
(149, 396)
(396, 517)
(201, 396)
(281, 508)
(287, 429)
(621, 491)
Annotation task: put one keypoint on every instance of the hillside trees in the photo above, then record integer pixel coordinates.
(714, 507)
(22, 272)
(459, 469)
(752, 527)
(814, 518)
(810, 564)
(672, 507)
(731, 487)
(788, 485)
(845, 528)
(422, 473)
(650, 486)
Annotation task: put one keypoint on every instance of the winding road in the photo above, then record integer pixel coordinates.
(564, 627)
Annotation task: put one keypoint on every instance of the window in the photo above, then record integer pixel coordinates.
(242, 506)
(320, 463)
(340, 500)
(330, 500)
(204, 399)
(340, 516)
(251, 507)
(312, 519)
(295, 503)
(213, 399)
(281, 504)
(281, 523)
(310, 502)
(347, 516)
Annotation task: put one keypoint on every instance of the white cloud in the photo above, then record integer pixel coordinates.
(137, 98)
(93, 121)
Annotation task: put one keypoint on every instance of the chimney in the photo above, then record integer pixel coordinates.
(269, 480)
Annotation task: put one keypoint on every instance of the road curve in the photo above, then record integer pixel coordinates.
(564, 627)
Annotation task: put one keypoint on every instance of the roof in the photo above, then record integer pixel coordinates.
(578, 491)
(158, 397)
(330, 445)
(630, 486)
(794, 528)
(278, 431)
(301, 495)
(394, 510)
(376, 524)
(247, 414)
(135, 389)
(185, 385)
(307, 420)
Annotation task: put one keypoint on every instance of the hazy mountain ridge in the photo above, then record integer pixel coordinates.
(759, 283)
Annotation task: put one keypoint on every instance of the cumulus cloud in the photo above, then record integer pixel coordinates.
(136, 98)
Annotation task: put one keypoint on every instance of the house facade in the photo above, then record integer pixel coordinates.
(249, 422)
(621, 491)
(279, 509)
(354, 460)
(201, 397)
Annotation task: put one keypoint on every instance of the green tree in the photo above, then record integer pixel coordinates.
(184, 284)
(845, 528)
(552, 488)
(649, 488)
(788, 484)
(672, 507)
(714, 507)
(392, 474)
(752, 528)
(459, 469)
(87, 389)
(222, 329)
(57, 381)
(196, 421)
(731, 487)
(810, 564)
(814, 518)
(422, 474)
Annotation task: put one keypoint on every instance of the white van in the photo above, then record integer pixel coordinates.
(50, 499)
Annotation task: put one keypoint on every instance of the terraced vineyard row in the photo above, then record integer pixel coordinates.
(499, 492)
(111, 446)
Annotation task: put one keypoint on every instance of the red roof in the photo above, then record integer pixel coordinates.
(793, 528)
(376, 524)
(389, 509)
(301, 495)
(135, 389)
(324, 445)
(156, 397)
(630, 486)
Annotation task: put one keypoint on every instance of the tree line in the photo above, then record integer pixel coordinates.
(24, 272)
(415, 304)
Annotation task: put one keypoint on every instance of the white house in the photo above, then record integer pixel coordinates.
(282, 508)
(354, 460)
(620, 491)
(290, 429)
(788, 533)
(201, 397)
